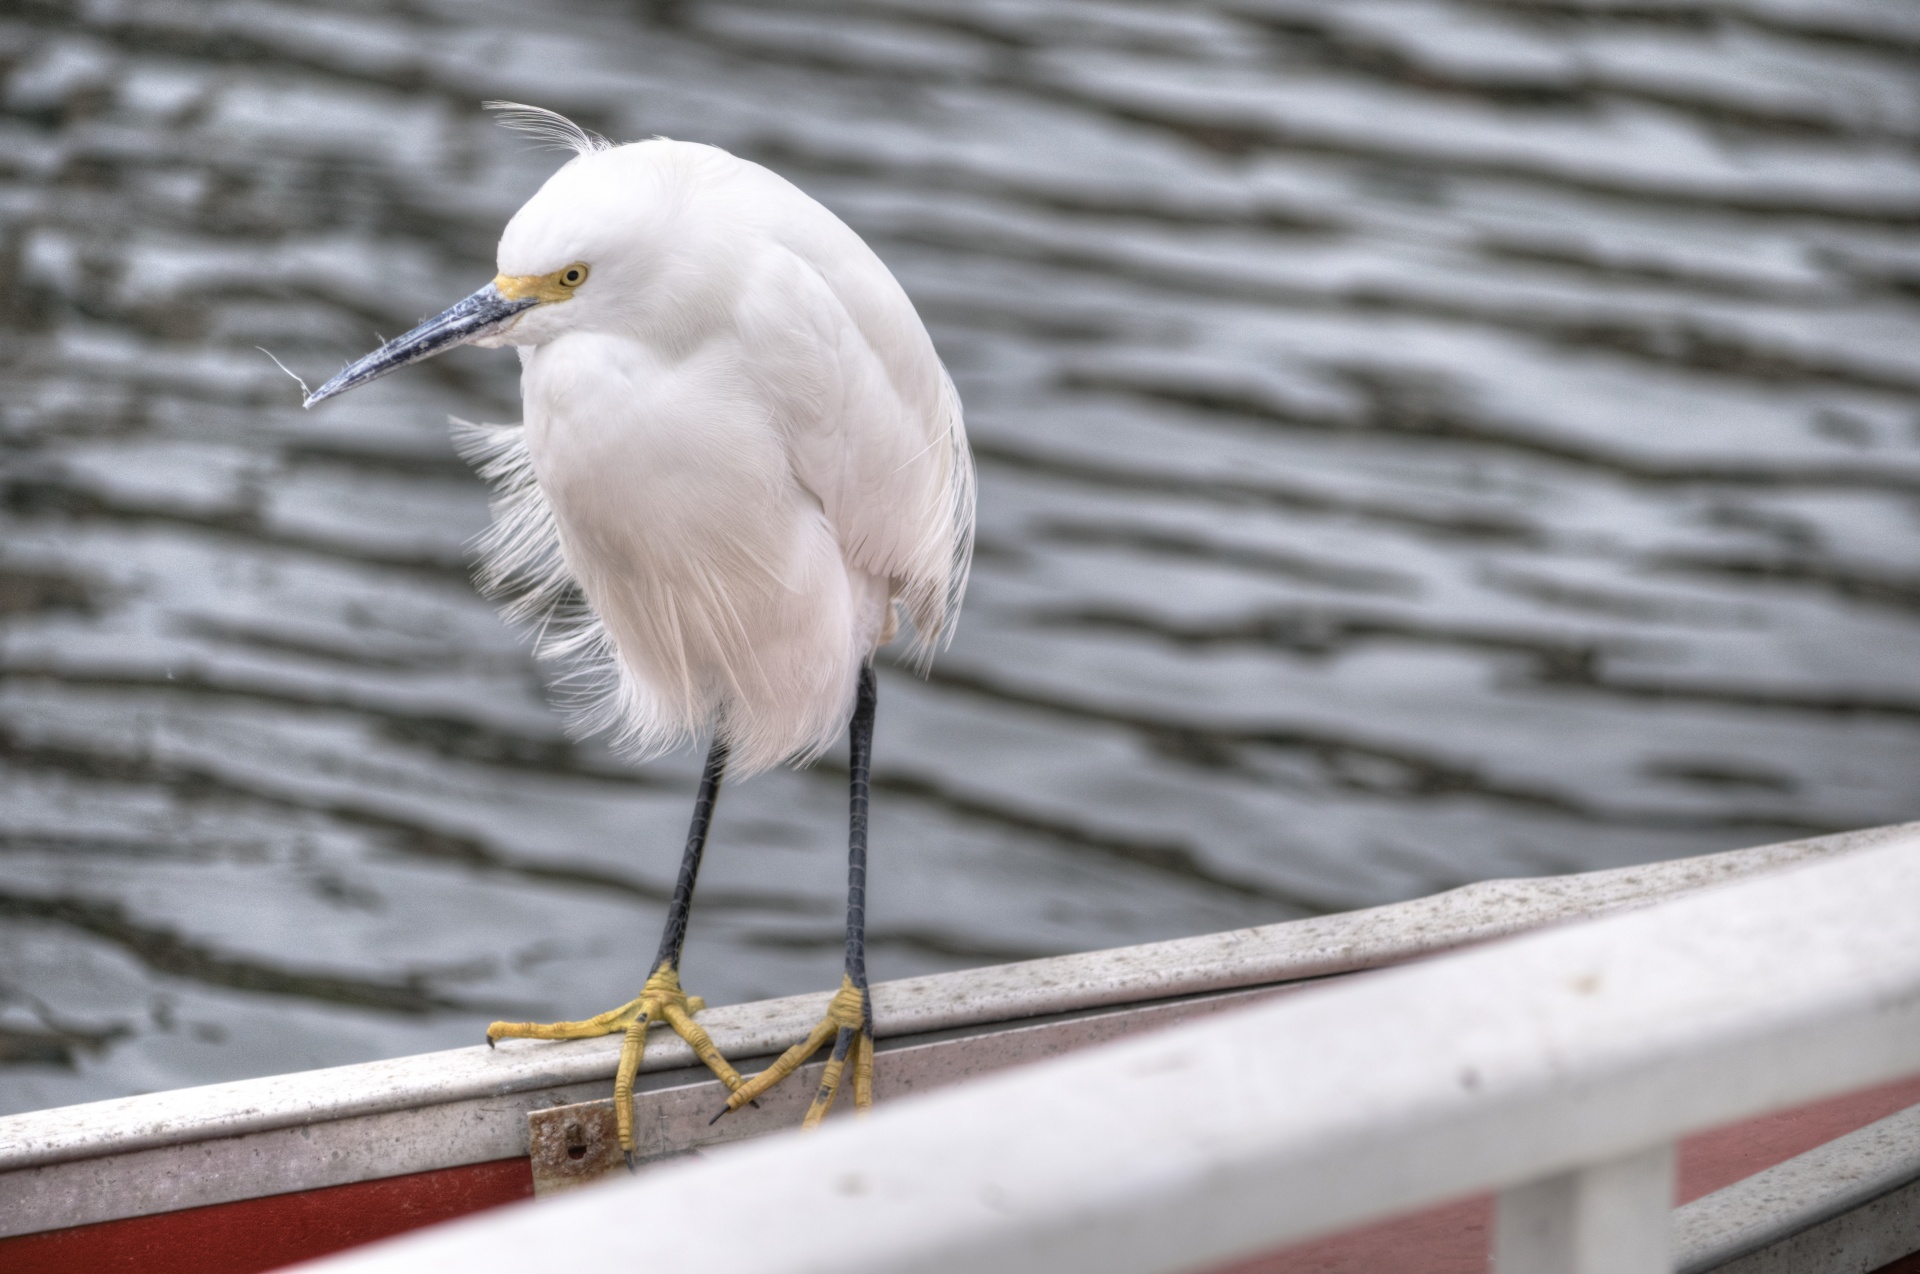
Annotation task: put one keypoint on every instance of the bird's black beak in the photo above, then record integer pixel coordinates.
(481, 314)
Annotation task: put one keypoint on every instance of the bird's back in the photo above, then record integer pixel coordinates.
(887, 456)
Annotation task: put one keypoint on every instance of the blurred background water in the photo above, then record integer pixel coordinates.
(1420, 441)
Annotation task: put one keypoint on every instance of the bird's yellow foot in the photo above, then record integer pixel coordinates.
(660, 1000)
(848, 1024)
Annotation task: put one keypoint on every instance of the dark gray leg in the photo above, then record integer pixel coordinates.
(849, 1018)
(859, 769)
(674, 936)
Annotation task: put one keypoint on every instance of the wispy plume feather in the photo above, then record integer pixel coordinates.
(521, 566)
(304, 391)
(549, 128)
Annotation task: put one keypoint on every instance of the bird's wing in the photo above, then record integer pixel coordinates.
(872, 419)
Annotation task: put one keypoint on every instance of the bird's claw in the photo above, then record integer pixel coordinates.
(660, 1000)
(848, 1023)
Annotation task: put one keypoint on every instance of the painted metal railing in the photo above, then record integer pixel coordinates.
(1557, 1068)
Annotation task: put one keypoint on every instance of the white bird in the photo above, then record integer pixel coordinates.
(741, 449)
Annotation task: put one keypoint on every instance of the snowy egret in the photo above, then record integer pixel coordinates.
(741, 449)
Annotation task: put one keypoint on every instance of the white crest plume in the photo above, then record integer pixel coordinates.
(549, 128)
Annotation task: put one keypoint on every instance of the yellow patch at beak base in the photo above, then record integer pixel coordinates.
(557, 286)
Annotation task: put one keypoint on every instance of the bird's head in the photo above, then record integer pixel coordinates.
(579, 254)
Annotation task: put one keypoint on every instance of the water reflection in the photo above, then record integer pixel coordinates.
(1419, 442)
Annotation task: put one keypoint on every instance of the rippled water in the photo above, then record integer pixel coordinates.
(1419, 441)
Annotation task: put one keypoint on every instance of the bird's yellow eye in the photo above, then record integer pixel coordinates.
(573, 276)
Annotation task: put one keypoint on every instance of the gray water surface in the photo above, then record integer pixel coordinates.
(1420, 441)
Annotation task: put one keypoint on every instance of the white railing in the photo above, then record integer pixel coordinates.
(1558, 1068)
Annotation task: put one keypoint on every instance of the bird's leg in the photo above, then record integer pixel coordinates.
(849, 1018)
(661, 999)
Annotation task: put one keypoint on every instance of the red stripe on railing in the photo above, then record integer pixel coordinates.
(253, 1235)
(1455, 1238)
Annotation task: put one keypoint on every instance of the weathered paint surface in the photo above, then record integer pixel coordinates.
(263, 1234)
(260, 1234)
